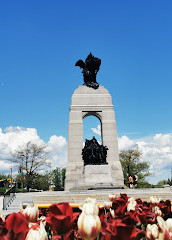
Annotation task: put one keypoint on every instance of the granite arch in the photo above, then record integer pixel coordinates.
(86, 102)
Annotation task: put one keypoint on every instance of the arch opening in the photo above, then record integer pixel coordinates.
(92, 127)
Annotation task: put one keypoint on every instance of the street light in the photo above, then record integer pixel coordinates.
(11, 175)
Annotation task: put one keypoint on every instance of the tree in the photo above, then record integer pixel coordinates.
(3, 180)
(131, 165)
(30, 158)
(58, 178)
(161, 183)
(42, 181)
(4, 176)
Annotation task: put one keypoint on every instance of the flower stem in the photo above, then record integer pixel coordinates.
(62, 237)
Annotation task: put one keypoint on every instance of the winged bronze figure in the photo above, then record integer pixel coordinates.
(90, 68)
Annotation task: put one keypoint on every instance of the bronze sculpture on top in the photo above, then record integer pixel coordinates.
(93, 153)
(90, 68)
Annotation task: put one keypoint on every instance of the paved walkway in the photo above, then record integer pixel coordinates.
(79, 196)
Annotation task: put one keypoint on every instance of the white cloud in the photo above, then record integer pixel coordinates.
(124, 143)
(14, 137)
(157, 150)
(5, 166)
(97, 130)
(57, 149)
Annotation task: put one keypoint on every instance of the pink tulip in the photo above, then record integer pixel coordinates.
(152, 231)
(37, 232)
(31, 213)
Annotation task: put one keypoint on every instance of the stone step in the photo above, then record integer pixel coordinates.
(17, 203)
(80, 196)
(102, 196)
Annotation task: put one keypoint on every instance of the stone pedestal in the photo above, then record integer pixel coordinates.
(98, 174)
(97, 102)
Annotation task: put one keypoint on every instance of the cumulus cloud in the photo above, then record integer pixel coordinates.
(124, 143)
(157, 150)
(97, 130)
(57, 149)
(14, 137)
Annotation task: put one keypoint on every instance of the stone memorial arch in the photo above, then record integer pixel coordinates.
(95, 101)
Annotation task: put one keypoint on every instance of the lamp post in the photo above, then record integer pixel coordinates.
(11, 175)
(171, 173)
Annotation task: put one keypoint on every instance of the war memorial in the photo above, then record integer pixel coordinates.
(94, 166)
(93, 169)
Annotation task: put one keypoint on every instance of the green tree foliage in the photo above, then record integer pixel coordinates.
(30, 159)
(42, 181)
(132, 165)
(3, 180)
(58, 178)
(169, 181)
(161, 183)
(4, 176)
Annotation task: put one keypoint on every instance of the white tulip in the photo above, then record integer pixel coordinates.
(37, 232)
(31, 213)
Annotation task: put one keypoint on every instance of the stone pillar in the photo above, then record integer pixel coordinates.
(88, 101)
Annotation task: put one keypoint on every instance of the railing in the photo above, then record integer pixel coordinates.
(8, 197)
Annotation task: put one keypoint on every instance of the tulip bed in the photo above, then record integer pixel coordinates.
(123, 218)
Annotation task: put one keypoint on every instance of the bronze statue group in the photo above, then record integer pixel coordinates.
(93, 153)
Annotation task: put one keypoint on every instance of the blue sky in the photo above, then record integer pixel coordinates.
(40, 42)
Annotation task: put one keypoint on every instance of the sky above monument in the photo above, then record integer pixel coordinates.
(40, 43)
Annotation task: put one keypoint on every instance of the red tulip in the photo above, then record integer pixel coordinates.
(16, 222)
(145, 215)
(61, 217)
(119, 205)
(165, 206)
(123, 229)
(3, 230)
(17, 226)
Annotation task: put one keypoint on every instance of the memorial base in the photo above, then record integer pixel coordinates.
(97, 177)
(98, 174)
